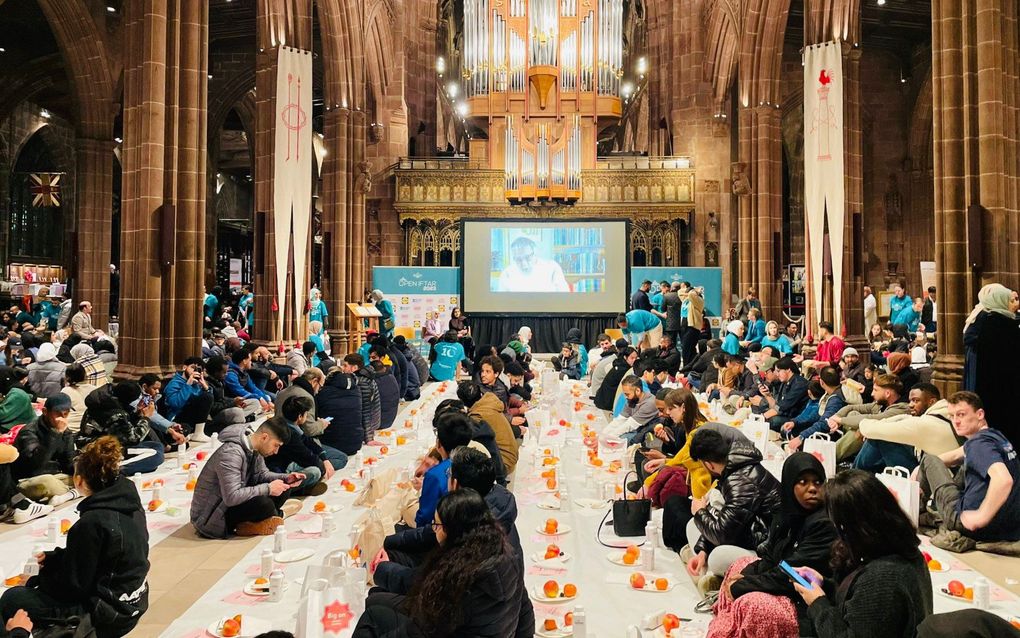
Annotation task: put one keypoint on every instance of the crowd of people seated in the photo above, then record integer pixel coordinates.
(286, 424)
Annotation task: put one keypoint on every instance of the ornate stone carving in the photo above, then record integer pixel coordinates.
(363, 182)
(740, 179)
(893, 203)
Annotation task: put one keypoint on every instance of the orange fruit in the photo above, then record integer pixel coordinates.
(320, 506)
(661, 584)
(231, 628)
(401, 440)
(190, 485)
(549, 474)
(568, 620)
(550, 483)
(13, 581)
(570, 590)
(552, 551)
(550, 460)
(670, 622)
(551, 526)
(546, 452)
(551, 589)
(154, 504)
(934, 565)
(349, 487)
(956, 588)
(619, 489)
(629, 559)
(261, 581)
(549, 624)
(637, 581)
(384, 450)
(65, 525)
(408, 424)
(1015, 623)
(968, 593)
(597, 462)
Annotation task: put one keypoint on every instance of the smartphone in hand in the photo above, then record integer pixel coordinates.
(794, 575)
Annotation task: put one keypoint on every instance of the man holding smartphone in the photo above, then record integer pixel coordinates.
(187, 398)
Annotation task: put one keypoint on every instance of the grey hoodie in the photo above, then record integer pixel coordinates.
(234, 474)
(46, 374)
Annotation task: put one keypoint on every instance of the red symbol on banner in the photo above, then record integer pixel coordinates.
(336, 617)
(45, 189)
(824, 78)
(293, 116)
(824, 117)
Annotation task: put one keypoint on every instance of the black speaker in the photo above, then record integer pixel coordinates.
(975, 248)
(259, 248)
(167, 235)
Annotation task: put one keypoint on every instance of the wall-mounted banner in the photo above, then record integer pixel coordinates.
(419, 294)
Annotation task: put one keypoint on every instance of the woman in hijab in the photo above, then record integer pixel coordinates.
(64, 352)
(757, 598)
(991, 342)
(898, 363)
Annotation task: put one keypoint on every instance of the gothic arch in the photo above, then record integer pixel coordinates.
(721, 57)
(920, 149)
(761, 51)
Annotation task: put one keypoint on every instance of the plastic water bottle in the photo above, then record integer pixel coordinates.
(651, 534)
(53, 530)
(580, 622)
(279, 539)
(565, 504)
(266, 564)
(648, 559)
(982, 593)
(276, 586)
(327, 524)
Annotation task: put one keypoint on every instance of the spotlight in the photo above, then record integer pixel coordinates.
(452, 89)
(44, 114)
(119, 140)
(440, 65)
(462, 109)
(110, 9)
(881, 3)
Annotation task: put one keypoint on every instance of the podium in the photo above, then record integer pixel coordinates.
(363, 317)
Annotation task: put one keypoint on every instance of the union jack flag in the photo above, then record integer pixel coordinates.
(45, 189)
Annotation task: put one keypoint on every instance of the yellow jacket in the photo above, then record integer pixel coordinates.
(697, 476)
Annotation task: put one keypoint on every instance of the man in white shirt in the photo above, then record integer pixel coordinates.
(870, 310)
(528, 272)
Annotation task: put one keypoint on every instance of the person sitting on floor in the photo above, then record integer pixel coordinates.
(224, 411)
(338, 403)
(103, 569)
(447, 357)
(371, 402)
(397, 563)
(830, 347)
(755, 330)
(744, 382)
(300, 359)
(983, 501)
(238, 383)
(750, 498)
(928, 427)
(601, 350)
(829, 404)
(389, 392)
(46, 373)
(186, 397)
(15, 404)
(757, 597)
(453, 430)
(786, 396)
(601, 369)
(734, 333)
(575, 339)
(236, 493)
(881, 585)
(568, 362)
(638, 415)
(117, 410)
(485, 406)
(45, 462)
(887, 392)
(419, 362)
(76, 389)
(472, 585)
(667, 353)
(301, 453)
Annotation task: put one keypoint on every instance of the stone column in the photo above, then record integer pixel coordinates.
(95, 208)
(279, 22)
(335, 188)
(976, 97)
(164, 164)
(761, 203)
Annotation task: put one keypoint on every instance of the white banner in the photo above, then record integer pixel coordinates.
(292, 176)
(823, 168)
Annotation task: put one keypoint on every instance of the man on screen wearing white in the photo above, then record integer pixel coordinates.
(528, 272)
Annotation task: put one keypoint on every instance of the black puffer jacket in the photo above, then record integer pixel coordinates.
(389, 398)
(371, 403)
(340, 399)
(43, 450)
(750, 500)
(106, 561)
(399, 370)
(104, 414)
(607, 391)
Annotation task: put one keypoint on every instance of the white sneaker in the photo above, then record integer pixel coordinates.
(60, 499)
(29, 510)
(198, 436)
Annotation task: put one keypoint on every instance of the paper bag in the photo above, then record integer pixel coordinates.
(391, 505)
(823, 449)
(376, 488)
(374, 529)
(906, 490)
(327, 612)
(310, 610)
(757, 430)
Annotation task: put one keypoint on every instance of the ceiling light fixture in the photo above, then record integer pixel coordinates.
(110, 9)
(44, 114)
(118, 140)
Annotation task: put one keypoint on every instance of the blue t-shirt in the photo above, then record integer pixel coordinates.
(755, 331)
(641, 321)
(318, 311)
(434, 486)
(781, 343)
(901, 310)
(730, 344)
(448, 355)
(658, 302)
(980, 452)
(209, 305)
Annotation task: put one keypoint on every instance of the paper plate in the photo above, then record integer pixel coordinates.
(563, 529)
(294, 555)
(617, 559)
(945, 568)
(250, 626)
(591, 503)
(250, 589)
(559, 632)
(549, 504)
(539, 596)
(942, 591)
(650, 587)
(539, 557)
(158, 510)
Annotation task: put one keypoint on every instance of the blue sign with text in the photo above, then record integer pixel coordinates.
(409, 280)
(709, 278)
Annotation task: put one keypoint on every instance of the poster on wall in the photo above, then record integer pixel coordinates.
(709, 278)
(419, 294)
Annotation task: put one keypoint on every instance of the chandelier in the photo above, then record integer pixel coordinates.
(543, 77)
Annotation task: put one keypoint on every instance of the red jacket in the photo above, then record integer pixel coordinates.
(831, 350)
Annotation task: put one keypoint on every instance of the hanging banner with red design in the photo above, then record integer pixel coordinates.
(292, 181)
(45, 188)
(824, 191)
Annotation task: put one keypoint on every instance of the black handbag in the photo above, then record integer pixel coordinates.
(631, 516)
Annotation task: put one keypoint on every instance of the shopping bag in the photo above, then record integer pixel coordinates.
(392, 503)
(376, 488)
(906, 490)
(824, 449)
(327, 611)
(374, 529)
(757, 430)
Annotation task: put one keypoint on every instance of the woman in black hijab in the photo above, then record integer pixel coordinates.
(801, 534)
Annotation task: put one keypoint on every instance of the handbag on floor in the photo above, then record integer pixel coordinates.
(631, 515)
